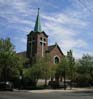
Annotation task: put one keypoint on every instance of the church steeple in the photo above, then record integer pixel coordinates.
(37, 27)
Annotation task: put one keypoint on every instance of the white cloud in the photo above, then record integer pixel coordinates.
(59, 30)
(78, 53)
(16, 6)
(17, 19)
(66, 37)
(62, 27)
(72, 43)
(65, 19)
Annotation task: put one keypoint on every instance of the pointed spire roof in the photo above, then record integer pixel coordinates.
(37, 27)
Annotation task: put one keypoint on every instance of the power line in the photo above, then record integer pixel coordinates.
(84, 5)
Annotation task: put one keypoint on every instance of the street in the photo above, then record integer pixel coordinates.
(50, 95)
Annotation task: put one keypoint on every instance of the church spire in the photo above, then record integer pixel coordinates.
(37, 27)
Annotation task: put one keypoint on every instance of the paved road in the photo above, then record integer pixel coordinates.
(51, 95)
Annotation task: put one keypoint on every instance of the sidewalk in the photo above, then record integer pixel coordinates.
(57, 90)
(62, 90)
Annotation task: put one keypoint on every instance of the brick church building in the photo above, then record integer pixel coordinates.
(37, 45)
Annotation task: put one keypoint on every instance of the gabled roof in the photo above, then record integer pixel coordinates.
(51, 47)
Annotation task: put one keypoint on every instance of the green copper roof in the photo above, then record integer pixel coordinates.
(37, 27)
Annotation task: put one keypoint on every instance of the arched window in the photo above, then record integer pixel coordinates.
(56, 60)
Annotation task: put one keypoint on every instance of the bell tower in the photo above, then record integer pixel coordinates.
(37, 40)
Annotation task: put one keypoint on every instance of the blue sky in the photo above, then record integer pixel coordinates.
(67, 22)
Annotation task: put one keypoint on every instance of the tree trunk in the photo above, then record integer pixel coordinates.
(45, 82)
(71, 85)
(51, 78)
(64, 81)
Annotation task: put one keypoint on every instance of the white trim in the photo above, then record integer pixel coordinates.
(55, 57)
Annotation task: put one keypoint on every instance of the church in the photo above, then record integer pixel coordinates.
(37, 45)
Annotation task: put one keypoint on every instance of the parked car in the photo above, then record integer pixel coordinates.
(53, 84)
(56, 84)
(6, 85)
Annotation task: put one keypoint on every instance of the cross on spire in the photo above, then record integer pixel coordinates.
(37, 27)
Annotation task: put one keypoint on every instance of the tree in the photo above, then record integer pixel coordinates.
(44, 66)
(53, 70)
(32, 74)
(6, 54)
(21, 62)
(85, 69)
(71, 66)
(62, 69)
(9, 60)
(40, 69)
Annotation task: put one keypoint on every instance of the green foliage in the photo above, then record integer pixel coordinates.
(71, 65)
(9, 60)
(62, 67)
(6, 45)
(53, 70)
(86, 61)
(38, 70)
(85, 69)
(33, 73)
(7, 54)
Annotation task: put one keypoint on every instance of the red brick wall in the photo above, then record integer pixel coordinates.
(55, 52)
(39, 46)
